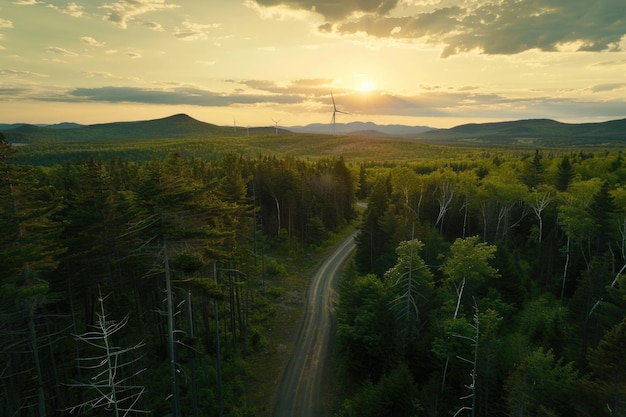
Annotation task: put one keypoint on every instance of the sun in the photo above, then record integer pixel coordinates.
(364, 84)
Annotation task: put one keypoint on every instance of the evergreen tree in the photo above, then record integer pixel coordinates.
(374, 253)
(608, 363)
(533, 171)
(411, 283)
(365, 327)
(565, 174)
(602, 210)
(541, 385)
(29, 251)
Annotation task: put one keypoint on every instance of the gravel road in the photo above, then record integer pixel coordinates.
(299, 394)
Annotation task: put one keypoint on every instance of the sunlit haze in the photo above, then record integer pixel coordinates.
(417, 62)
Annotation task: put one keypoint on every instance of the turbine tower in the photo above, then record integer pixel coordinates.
(335, 111)
(276, 125)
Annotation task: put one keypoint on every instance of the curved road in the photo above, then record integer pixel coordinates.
(299, 394)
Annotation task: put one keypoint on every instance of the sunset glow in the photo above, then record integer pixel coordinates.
(432, 63)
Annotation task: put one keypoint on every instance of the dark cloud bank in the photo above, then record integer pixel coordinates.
(491, 27)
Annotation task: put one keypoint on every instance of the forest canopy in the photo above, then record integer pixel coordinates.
(486, 283)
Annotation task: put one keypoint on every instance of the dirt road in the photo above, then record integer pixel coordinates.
(299, 394)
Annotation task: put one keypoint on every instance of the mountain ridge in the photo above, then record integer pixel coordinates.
(525, 132)
(532, 132)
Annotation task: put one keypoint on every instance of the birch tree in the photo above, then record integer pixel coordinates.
(574, 219)
(468, 265)
(538, 200)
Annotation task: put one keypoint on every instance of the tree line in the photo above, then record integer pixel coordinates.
(488, 287)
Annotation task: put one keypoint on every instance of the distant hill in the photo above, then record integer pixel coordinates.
(9, 126)
(360, 128)
(177, 126)
(64, 125)
(533, 132)
(520, 133)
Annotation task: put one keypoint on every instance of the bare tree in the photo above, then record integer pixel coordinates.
(109, 368)
(474, 361)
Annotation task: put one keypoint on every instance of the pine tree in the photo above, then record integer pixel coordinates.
(533, 171)
(602, 210)
(411, 283)
(565, 174)
(608, 362)
(29, 251)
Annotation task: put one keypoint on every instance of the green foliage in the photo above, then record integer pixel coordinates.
(541, 385)
(102, 212)
(365, 327)
(565, 175)
(469, 259)
(607, 363)
(393, 396)
(545, 323)
(375, 246)
(274, 268)
(410, 283)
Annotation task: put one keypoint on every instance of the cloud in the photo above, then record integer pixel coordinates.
(88, 40)
(5, 24)
(305, 88)
(98, 74)
(60, 51)
(71, 9)
(189, 31)
(334, 10)
(610, 63)
(124, 11)
(26, 2)
(175, 96)
(20, 73)
(154, 26)
(601, 88)
(499, 27)
(436, 103)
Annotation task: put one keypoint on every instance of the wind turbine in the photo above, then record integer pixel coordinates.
(335, 111)
(276, 125)
(234, 124)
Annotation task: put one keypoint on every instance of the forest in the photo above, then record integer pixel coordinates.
(485, 283)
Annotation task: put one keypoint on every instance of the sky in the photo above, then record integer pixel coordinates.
(437, 63)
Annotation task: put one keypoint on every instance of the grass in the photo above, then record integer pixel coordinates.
(267, 365)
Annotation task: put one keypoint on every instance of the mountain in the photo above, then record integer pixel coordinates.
(176, 126)
(533, 132)
(520, 133)
(64, 125)
(360, 128)
(9, 126)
